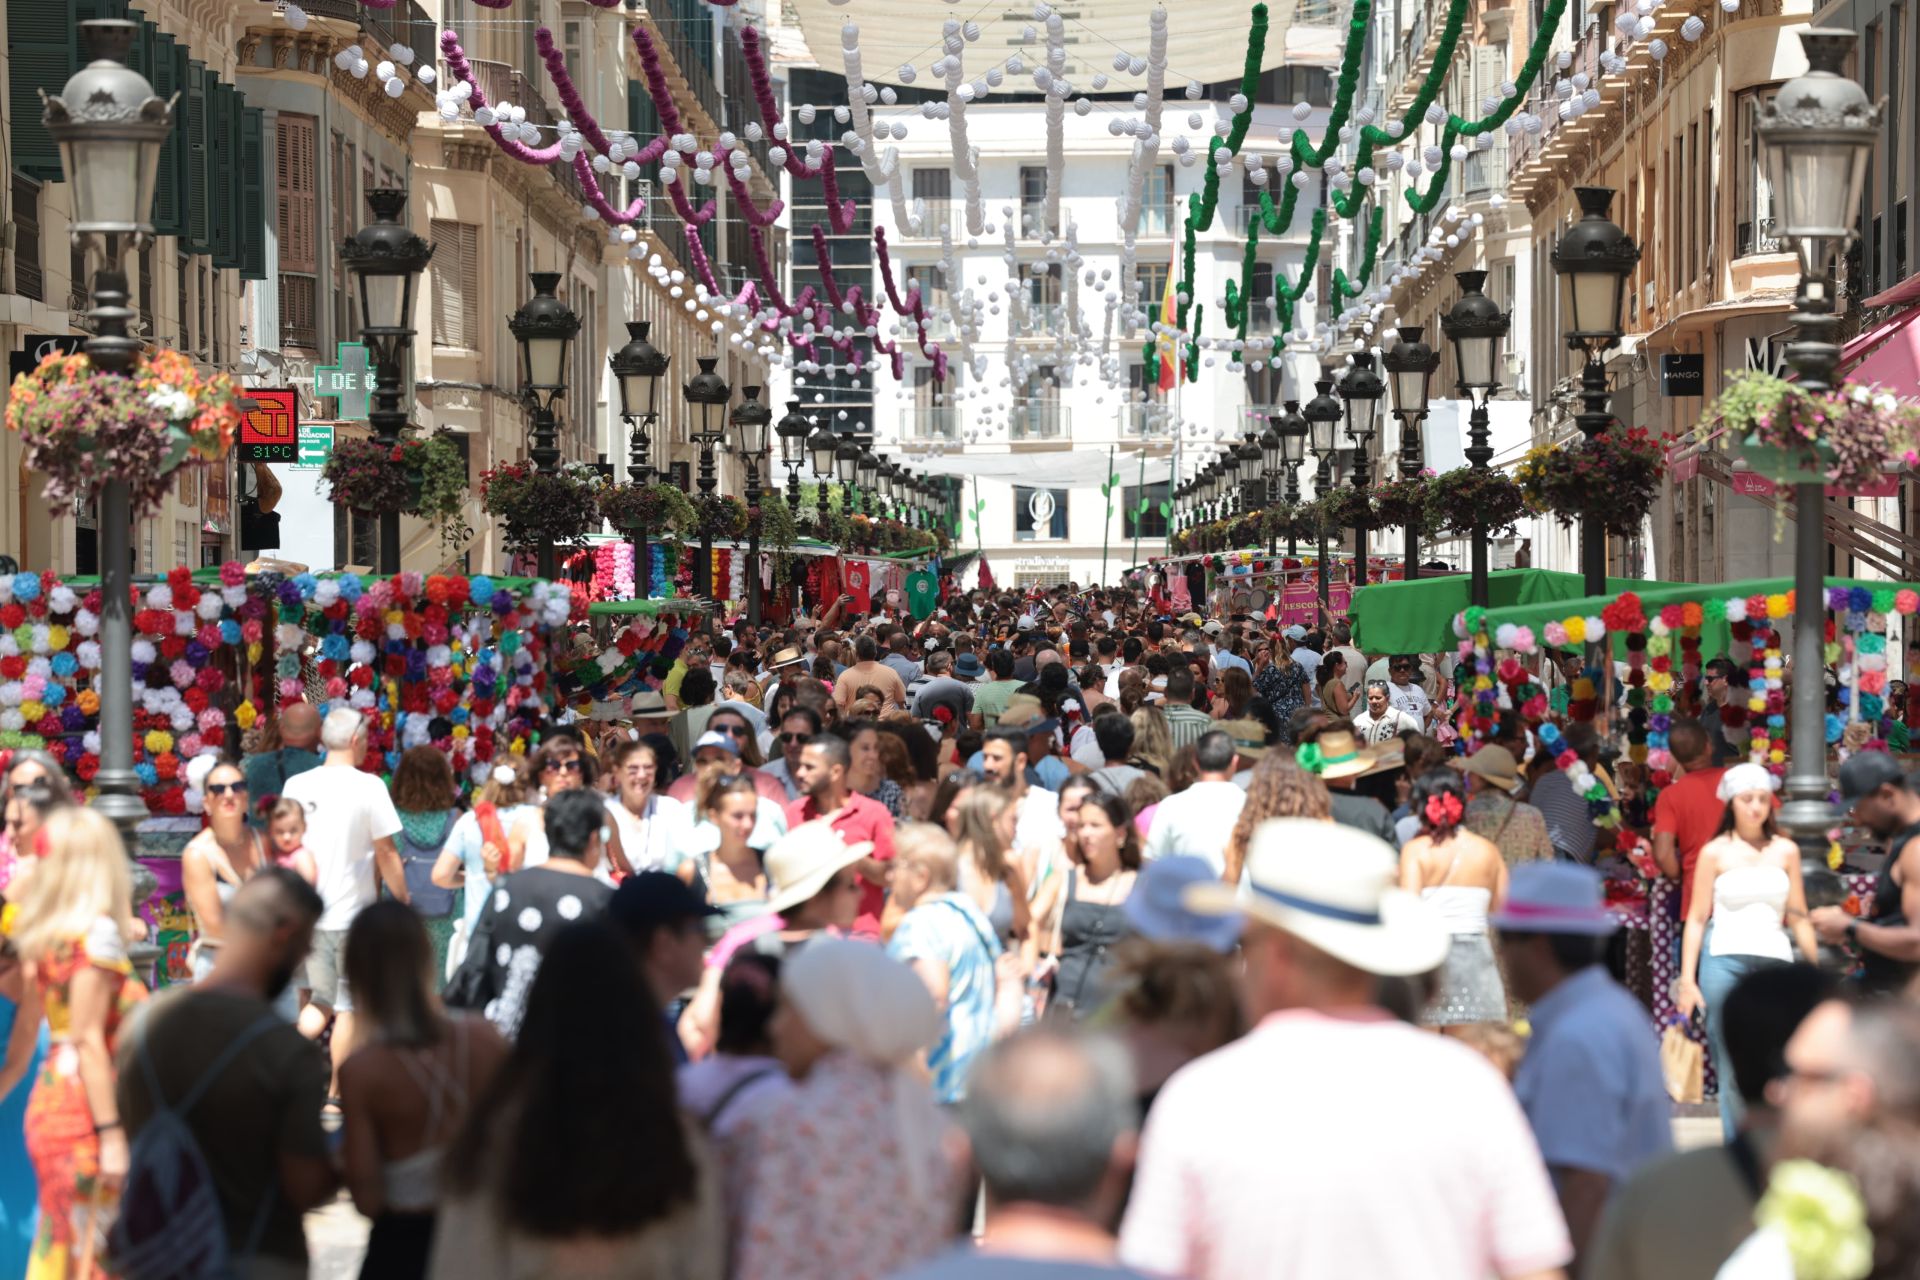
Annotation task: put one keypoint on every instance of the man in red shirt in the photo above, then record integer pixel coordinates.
(1688, 812)
(822, 777)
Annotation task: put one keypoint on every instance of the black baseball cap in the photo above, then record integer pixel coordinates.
(1868, 771)
(652, 899)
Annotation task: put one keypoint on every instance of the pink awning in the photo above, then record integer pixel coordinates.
(1907, 291)
(1888, 356)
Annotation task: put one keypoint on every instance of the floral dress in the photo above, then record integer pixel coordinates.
(60, 1136)
(1285, 691)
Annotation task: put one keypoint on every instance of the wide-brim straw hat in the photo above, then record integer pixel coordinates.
(1333, 887)
(1342, 756)
(802, 862)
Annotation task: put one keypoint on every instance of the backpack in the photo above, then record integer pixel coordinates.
(416, 862)
(170, 1225)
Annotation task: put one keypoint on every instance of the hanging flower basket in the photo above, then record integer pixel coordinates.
(1844, 437)
(778, 529)
(720, 516)
(1403, 503)
(536, 508)
(416, 477)
(1461, 499)
(361, 476)
(1340, 509)
(1612, 478)
(83, 428)
(660, 508)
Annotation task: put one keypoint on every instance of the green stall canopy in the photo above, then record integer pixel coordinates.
(1417, 616)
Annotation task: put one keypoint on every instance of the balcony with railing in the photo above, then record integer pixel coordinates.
(1038, 418)
(1156, 221)
(1139, 418)
(930, 422)
(1482, 173)
(1040, 319)
(407, 24)
(501, 82)
(1412, 56)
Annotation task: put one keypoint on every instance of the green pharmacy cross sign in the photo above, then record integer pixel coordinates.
(349, 379)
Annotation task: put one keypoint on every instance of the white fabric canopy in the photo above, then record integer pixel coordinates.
(1064, 469)
(1204, 42)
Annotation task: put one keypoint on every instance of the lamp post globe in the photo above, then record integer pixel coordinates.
(638, 369)
(1476, 326)
(1819, 130)
(1363, 390)
(1594, 260)
(708, 393)
(544, 327)
(1410, 364)
(752, 419)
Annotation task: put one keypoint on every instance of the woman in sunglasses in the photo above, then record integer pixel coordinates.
(559, 765)
(220, 859)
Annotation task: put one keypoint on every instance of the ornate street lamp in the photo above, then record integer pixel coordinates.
(1410, 363)
(1293, 451)
(1253, 480)
(792, 433)
(638, 369)
(846, 468)
(1593, 260)
(386, 258)
(110, 127)
(544, 327)
(1819, 131)
(821, 445)
(1476, 326)
(1362, 389)
(707, 392)
(751, 420)
(1323, 414)
(1272, 455)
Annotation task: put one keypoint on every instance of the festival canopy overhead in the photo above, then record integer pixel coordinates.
(1537, 613)
(1417, 617)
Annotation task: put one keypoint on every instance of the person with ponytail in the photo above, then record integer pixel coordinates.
(476, 852)
(1463, 877)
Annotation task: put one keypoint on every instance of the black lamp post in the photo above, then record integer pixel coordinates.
(1476, 326)
(1272, 454)
(1819, 131)
(1293, 451)
(638, 368)
(821, 450)
(110, 127)
(386, 258)
(1410, 364)
(792, 433)
(1253, 479)
(751, 420)
(1362, 390)
(1323, 414)
(1593, 260)
(846, 468)
(544, 327)
(707, 392)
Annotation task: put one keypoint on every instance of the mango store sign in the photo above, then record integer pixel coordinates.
(1755, 485)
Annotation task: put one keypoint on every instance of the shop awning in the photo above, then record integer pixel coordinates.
(1887, 356)
(1417, 616)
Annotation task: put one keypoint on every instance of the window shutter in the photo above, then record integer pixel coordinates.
(166, 198)
(199, 234)
(253, 200)
(182, 178)
(296, 193)
(456, 273)
(40, 45)
(223, 187)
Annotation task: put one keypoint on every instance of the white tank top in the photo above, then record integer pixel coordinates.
(1749, 913)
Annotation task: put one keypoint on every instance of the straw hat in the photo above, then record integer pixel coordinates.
(1249, 737)
(1337, 754)
(1332, 887)
(802, 862)
(1492, 764)
(787, 657)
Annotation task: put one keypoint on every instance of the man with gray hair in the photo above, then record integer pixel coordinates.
(1052, 1122)
(1382, 721)
(351, 824)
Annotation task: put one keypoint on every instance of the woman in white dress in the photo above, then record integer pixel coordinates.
(1747, 897)
(1464, 878)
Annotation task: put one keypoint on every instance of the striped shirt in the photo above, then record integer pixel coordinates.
(1569, 820)
(1186, 724)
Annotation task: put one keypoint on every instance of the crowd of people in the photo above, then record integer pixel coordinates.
(1050, 935)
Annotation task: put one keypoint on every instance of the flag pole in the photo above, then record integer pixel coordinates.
(1106, 534)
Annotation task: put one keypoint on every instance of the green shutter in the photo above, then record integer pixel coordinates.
(222, 189)
(40, 48)
(253, 194)
(182, 177)
(166, 80)
(199, 108)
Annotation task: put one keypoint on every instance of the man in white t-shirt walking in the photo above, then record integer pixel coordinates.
(1404, 692)
(351, 824)
(1382, 721)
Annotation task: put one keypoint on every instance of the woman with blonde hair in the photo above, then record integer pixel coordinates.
(1152, 739)
(406, 1089)
(1279, 788)
(72, 933)
(982, 834)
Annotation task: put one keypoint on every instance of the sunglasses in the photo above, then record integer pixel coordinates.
(226, 788)
(792, 737)
(731, 730)
(567, 766)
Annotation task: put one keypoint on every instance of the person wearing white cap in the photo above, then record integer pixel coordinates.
(1333, 1141)
(1591, 1082)
(847, 1175)
(1747, 896)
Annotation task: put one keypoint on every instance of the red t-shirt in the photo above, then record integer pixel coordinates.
(858, 819)
(1690, 811)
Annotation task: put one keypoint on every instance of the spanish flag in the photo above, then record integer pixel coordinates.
(1169, 350)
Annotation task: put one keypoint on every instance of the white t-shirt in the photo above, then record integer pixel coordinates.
(347, 810)
(1411, 699)
(648, 839)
